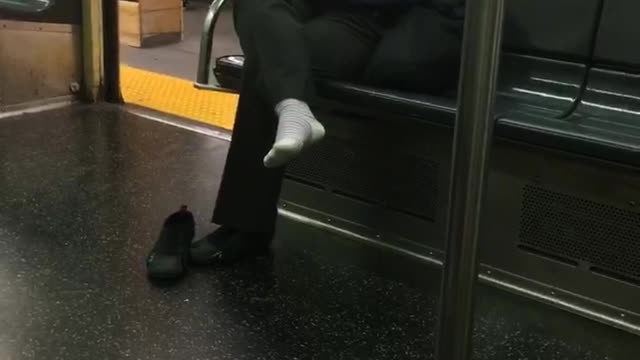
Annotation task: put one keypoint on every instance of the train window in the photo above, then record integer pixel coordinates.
(26, 5)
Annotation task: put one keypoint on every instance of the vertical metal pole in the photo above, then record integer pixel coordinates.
(92, 50)
(472, 145)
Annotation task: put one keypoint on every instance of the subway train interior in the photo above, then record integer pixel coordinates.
(113, 114)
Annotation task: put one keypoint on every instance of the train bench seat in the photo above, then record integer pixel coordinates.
(598, 131)
(541, 83)
(606, 120)
(551, 101)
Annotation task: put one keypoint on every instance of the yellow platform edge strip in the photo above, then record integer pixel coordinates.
(177, 97)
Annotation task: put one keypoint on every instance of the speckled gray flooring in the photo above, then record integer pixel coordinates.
(84, 191)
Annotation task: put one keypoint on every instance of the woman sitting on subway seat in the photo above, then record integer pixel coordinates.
(411, 45)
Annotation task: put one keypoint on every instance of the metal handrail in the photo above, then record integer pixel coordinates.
(205, 73)
(472, 145)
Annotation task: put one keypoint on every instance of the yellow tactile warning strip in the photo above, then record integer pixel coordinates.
(177, 97)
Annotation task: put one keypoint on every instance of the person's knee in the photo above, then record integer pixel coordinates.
(315, 36)
(334, 51)
(250, 15)
(264, 15)
(420, 54)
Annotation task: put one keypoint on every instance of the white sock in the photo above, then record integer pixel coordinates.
(297, 129)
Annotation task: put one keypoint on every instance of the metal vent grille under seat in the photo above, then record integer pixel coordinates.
(604, 237)
(389, 178)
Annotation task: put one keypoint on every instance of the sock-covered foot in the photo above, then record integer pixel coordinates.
(169, 257)
(226, 245)
(297, 129)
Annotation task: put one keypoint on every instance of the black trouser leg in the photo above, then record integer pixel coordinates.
(272, 38)
(276, 67)
(248, 195)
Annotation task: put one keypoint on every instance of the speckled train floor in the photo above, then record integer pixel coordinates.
(83, 192)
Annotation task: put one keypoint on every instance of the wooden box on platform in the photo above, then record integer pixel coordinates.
(146, 23)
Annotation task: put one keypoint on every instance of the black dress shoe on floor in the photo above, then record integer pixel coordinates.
(227, 246)
(169, 257)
